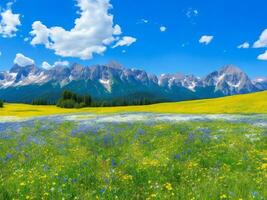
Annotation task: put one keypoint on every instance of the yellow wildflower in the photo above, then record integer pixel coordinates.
(264, 166)
(153, 195)
(127, 177)
(168, 186)
(22, 184)
(224, 196)
(192, 164)
(150, 163)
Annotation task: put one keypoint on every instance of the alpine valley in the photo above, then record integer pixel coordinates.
(111, 81)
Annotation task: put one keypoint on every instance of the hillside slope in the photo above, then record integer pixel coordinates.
(239, 104)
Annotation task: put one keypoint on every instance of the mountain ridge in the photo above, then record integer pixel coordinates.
(25, 83)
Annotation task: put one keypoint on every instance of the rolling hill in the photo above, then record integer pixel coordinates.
(254, 103)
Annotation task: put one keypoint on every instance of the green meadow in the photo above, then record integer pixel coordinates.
(186, 160)
(108, 157)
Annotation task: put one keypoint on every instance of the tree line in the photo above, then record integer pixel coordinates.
(70, 99)
(122, 101)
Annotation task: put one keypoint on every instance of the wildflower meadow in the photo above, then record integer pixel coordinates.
(130, 159)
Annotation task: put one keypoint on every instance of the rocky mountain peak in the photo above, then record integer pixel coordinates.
(229, 80)
(115, 65)
(27, 69)
(230, 69)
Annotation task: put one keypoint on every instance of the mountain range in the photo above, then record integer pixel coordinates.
(111, 81)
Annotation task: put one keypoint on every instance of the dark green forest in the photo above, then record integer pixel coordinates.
(69, 99)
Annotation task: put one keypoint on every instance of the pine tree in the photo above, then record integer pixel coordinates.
(1, 104)
(71, 100)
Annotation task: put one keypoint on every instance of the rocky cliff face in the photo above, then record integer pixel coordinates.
(113, 80)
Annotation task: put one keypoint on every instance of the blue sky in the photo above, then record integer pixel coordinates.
(161, 36)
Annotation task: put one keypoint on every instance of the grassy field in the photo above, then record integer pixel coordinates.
(172, 161)
(242, 104)
(83, 159)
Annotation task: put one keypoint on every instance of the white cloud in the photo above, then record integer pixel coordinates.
(262, 41)
(206, 39)
(47, 66)
(245, 45)
(125, 41)
(62, 63)
(93, 32)
(117, 30)
(22, 60)
(40, 33)
(162, 28)
(263, 56)
(191, 13)
(9, 23)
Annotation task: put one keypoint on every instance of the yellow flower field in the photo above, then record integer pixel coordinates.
(241, 104)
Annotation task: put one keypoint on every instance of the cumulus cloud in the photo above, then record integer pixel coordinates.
(9, 23)
(245, 45)
(93, 32)
(262, 41)
(162, 28)
(47, 66)
(40, 33)
(22, 60)
(206, 39)
(263, 56)
(125, 41)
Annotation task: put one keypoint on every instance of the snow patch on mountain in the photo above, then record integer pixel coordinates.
(106, 84)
